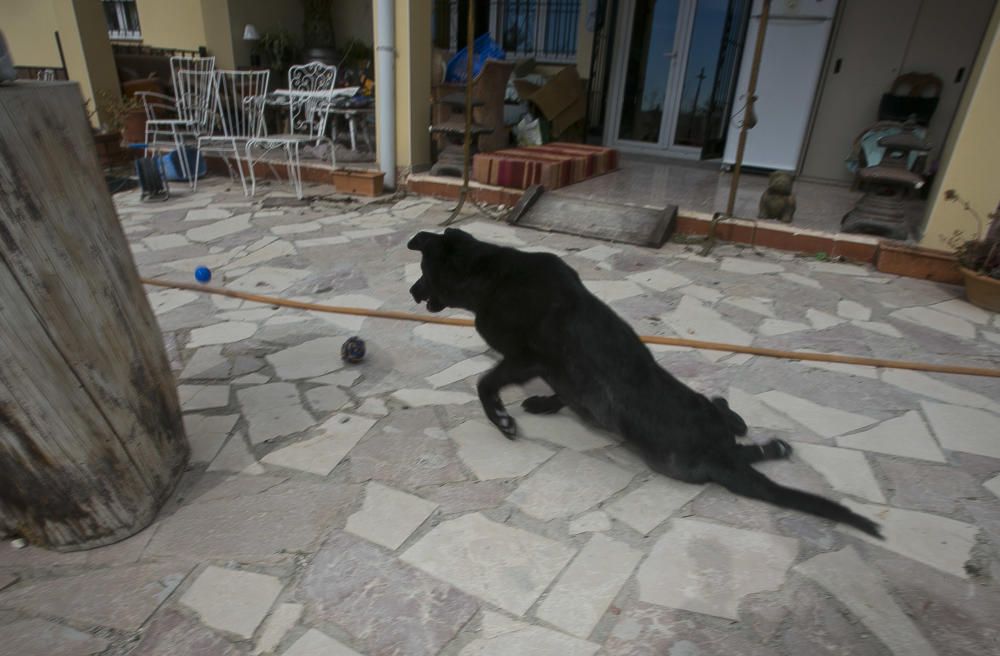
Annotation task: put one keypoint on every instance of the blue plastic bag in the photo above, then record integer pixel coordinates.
(484, 48)
(171, 164)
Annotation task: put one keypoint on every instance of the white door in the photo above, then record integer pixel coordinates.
(944, 42)
(651, 49)
(866, 57)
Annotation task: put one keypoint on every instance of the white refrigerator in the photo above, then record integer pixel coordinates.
(787, 83)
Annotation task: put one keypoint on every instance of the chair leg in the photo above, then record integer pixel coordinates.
(365, 134)
(333, 154)
(294, 172)
(179, 149)
(239, 167)
(350, 126)
(253, 178)
(197, 163)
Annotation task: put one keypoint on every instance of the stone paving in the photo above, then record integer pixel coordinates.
(335, 509)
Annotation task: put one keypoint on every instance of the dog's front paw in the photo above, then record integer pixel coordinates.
(780, 448)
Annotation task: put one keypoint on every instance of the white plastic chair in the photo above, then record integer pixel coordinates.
(173, 121)
(307, 119)
(239, 113)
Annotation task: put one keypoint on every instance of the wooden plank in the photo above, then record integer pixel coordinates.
(628, 224)
(528, 198)
(63, 248)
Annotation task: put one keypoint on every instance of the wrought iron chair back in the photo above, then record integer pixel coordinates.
(308, 116)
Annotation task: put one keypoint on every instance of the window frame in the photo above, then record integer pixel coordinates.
(121, 14)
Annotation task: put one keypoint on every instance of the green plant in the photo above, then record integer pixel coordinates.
(356, 52)
(279, 50)
(114, 109)
(982, 253)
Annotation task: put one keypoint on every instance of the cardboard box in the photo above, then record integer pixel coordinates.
(562, 99)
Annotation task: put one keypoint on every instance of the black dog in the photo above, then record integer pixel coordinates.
(533, 309)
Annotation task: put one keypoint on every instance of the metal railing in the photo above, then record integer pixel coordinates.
(543, 29)
(40, 73)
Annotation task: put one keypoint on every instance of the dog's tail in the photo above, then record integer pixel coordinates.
(744, 480)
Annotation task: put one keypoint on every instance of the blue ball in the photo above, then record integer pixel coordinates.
(353, 350)
(203, 274)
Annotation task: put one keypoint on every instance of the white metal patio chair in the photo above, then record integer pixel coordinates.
(239, 114)
(310, 91)
(175, 121)
(314, 79)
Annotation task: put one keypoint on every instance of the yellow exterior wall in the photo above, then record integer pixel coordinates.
(218, 34)
(173, 24)
(89, 60)
(972, 156)
(29, 27)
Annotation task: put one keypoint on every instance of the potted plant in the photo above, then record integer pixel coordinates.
(979, 258)
(118, 113)
(278, 50)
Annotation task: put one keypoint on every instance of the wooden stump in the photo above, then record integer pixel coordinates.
(91, 439)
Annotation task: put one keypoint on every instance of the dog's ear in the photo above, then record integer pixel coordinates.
(454, 235)
(421, 240)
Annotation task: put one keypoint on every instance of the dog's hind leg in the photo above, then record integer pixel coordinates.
(542, 405)
(772, 450)
(508, 372)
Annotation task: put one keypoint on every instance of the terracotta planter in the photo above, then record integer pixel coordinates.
(109, 149)
(134, 130)
(982, 291)
(917, 262)
(364, 183)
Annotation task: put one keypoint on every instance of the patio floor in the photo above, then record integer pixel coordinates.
(369, 509)
(702, 187)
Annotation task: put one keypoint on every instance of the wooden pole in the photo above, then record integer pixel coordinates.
(748, 113)
(91, 439)
(648, 339)
(467, 146)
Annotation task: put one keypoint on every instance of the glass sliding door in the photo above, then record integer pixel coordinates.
(673, 74)
(649, 61)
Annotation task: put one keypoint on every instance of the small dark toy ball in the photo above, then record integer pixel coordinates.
(353, 350)
(203, 274)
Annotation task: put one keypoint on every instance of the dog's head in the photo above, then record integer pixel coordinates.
(448, 267)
